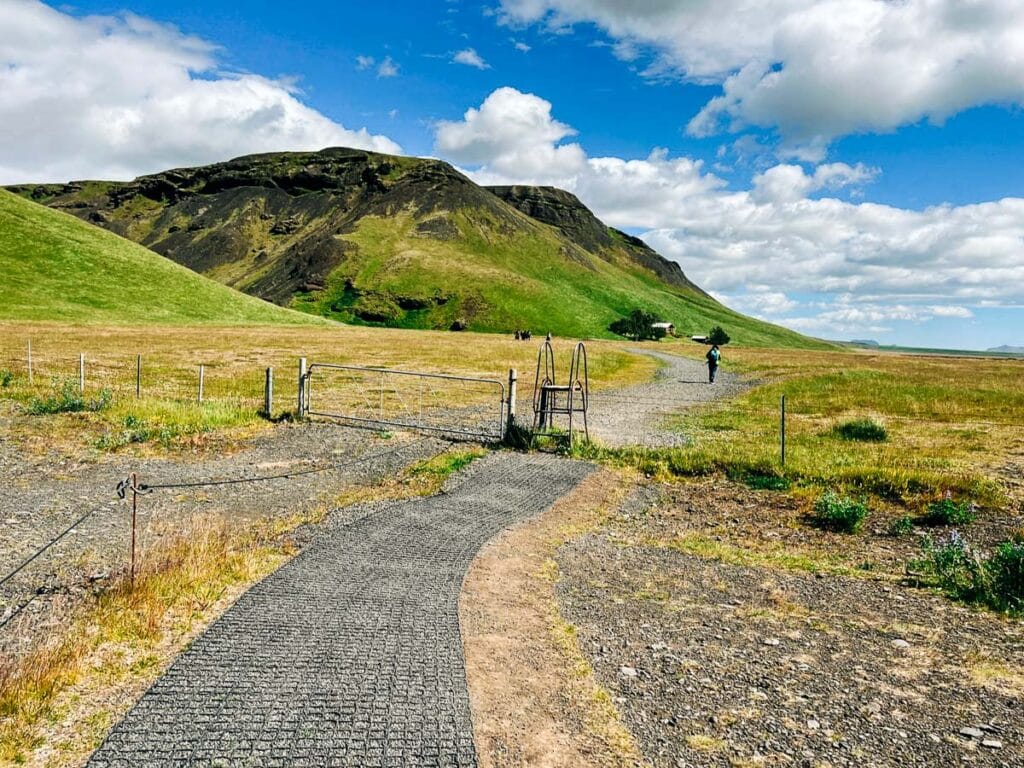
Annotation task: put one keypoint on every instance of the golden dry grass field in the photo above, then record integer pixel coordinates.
(235, 359)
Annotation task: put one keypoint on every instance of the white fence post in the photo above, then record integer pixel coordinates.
(202, 372)
(81, 372)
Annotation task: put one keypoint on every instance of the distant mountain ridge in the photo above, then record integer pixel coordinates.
(379, 239)
(1007, 349)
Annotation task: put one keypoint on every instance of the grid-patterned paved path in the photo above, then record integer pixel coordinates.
(349, 655)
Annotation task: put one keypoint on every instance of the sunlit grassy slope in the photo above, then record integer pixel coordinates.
(55, 267)
(518, 282)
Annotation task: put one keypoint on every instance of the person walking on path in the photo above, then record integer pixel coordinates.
(714, 355)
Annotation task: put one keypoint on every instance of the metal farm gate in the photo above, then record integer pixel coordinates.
(457, 406)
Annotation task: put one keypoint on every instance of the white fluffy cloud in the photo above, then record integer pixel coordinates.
(762, 246)
(470, 58)
(107, 97)
(817, 69)
(512, 133)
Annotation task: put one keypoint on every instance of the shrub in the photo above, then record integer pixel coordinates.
(901, 526)
(68, 399)
(949, 512)
(995, 580)
(839, 513)
(865, 430)
(6, 377)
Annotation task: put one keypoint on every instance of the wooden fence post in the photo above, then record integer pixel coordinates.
(202, 371)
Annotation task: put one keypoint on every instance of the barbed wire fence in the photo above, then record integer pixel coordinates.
(31, 579)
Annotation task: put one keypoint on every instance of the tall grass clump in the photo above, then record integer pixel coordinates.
(6, 378)
(994, 579)
(839, 513)
(863, 430)
(66, 398)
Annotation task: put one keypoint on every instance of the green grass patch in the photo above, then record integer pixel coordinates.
(494, 278)
(66, 398)
(443, 466)
(58, 268)
(865, 430)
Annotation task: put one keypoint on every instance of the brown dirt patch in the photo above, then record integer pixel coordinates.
(534, 698)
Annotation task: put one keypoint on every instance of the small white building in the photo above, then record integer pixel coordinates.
(668, 328)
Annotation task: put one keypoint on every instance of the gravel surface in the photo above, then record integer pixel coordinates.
(635, 416)
(41, 497)
(351, 653)
(719, 665)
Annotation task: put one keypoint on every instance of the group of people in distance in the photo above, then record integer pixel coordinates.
(523, 335)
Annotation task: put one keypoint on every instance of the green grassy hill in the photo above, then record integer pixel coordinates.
(58, 268)
(381, 240)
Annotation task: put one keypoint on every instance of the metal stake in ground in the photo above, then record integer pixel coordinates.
(268, 394)
(138, 376)
(782, 429)
(131, 483)
(202, 371)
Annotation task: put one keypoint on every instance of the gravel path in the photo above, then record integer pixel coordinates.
(636, 415)
(351, 653)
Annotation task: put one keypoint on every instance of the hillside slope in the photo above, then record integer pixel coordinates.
(57, 268)
(368, 238)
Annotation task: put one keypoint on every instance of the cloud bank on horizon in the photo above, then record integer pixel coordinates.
(114, 97)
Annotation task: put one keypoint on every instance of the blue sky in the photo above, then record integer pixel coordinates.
(848, 168)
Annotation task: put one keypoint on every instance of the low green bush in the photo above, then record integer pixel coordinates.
(902, 526)
(949, 512)
(6, 377)
(68, 399)
(995, 579)
(839, 513)
(864, 430)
